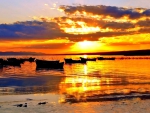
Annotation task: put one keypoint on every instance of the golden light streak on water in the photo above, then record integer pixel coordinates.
(85, 70)
(79, 85)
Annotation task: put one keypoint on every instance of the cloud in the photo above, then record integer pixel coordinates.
(29, 29)
(4, 33)
(46, 30)
(113, 11)
(32, 30)
(94, 22)
(144, 23)
(81, 23)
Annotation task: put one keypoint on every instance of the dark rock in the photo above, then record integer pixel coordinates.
(25, 105)
(40, 103)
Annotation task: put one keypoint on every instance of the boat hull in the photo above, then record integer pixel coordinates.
(70, 61)
(103, 58)
(49, 64)
(88, 59)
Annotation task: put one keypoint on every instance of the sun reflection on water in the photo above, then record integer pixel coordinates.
(80, 84)
(85, 70)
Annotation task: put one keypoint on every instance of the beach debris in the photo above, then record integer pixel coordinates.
(18, 105)
(29, 99)
(40, 103)
(25, 105)
(21, 105)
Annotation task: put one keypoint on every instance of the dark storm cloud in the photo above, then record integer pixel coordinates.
(113, 11)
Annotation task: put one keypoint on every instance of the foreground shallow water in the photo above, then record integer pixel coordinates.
(8, 105)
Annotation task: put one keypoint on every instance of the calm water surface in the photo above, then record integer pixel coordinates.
(79, 82)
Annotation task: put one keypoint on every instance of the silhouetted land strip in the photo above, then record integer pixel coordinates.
(20, 53)
(125, 53)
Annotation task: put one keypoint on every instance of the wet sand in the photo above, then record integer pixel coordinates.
(8, 105)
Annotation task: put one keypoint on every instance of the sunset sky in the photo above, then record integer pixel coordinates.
(74, 26)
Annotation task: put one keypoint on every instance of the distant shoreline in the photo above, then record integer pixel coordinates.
(124, 53)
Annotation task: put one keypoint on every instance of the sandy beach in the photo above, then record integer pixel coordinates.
(8, 105)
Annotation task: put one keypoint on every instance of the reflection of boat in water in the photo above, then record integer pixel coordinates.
(107, 58)
(88, 59)
(49, 64)
(69, 60)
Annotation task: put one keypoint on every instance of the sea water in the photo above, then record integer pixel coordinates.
(99, 80)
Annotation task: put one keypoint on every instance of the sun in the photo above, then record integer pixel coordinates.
(86, 46)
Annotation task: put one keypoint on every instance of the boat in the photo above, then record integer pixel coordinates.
(106, 58)
(70, 60)
(88, 59)
(31, 59)
(1, 60)
(1, 66)
(11, 63)
(14, 61)
(50, 64)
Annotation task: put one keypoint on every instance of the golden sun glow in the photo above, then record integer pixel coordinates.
(86, 46)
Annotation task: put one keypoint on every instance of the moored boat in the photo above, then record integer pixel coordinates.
(69, 60)
(106, 58)
(1, 66)
(9, 63)
(88, 59)
(31, 59)
(49, 64)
